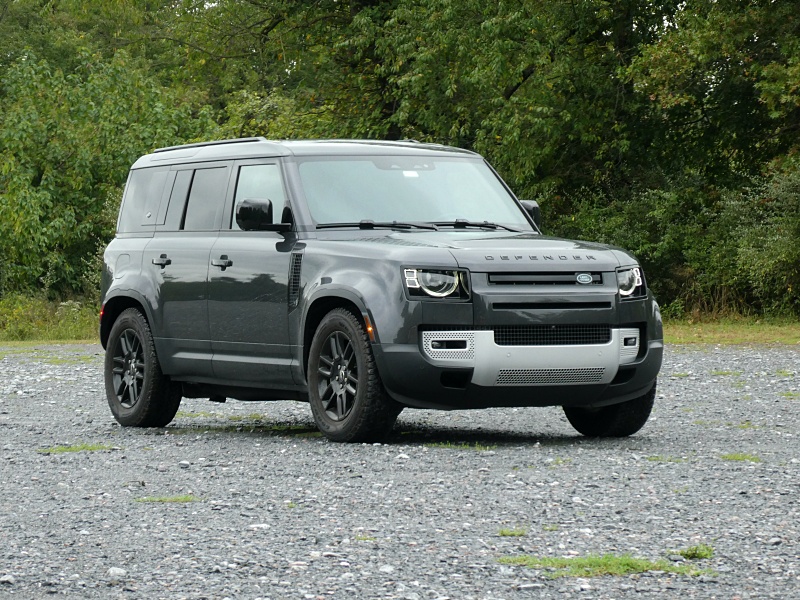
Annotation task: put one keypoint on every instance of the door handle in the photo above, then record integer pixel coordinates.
(162, 261)
(223, 262)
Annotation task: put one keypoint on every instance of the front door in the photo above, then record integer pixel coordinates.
(248, 287)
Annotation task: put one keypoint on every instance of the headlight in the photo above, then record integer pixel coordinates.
(437, 283)
(630, 282)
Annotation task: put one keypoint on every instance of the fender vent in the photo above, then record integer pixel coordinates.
(295, 266)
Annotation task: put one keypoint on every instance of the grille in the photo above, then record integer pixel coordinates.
(549, 376)
(551, 335)
(554, 278)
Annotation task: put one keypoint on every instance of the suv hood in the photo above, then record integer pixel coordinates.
(482, 251)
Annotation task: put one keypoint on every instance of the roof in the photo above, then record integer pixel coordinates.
(259, 147)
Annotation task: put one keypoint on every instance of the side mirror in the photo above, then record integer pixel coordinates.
(532, 208)
(256, 215)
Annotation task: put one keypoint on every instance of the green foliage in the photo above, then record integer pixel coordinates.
(36, 318)
(668, 128)
(67, 140)
(701, 551)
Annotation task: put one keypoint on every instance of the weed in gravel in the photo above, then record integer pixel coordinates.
(598, 566)
(741, 457)
(75, 448)
(784, 373)
(181, 414)
(746, 425)
(696, 552)
(726, 373)
(559, 462)
(790, 394)
(681, 375)
(169, 499)
(515, 532)
(460, 446)
(550, 527)
(365, 538)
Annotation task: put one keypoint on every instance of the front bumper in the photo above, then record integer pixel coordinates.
(467, 369)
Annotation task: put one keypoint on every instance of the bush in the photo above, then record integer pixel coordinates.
(35, 318)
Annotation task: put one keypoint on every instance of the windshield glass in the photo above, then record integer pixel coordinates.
(406, 188)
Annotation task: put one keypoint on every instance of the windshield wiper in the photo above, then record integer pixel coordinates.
(367, 224)
(464, 224)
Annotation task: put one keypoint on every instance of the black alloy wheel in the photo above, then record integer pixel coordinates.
(345, 391)
(128, 370)
(138, 393)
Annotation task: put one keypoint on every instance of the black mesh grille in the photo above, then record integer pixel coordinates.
(551, 335)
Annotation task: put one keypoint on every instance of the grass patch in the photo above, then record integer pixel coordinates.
(697, 552)
(747, 425)
(726, 373)
(365, 538)
(790, 394)
(549, 527)
(599, 566)
(741, 457)
(680, 375)
(784, 373)
(515, 532)
(170, 499)
(460, 446)
(732, 331)
(24, 318)
(75, 448)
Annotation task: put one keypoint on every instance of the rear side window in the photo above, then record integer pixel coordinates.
(142, 198)
(206, 197)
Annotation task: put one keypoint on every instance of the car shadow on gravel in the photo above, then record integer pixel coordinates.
(484, 439)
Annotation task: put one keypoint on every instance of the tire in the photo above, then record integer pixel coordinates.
(345, 391)
(138, 393)
(617, 420)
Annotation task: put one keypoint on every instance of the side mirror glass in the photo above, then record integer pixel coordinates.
(532, 208)
(256, 215)
(252, 214)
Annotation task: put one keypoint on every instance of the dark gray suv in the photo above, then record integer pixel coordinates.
(363, 277)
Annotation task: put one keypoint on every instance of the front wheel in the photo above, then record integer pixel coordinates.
(345, 391)
(138, 393)
(617, 420)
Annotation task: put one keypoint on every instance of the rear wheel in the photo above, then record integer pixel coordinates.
(345, 391)
(617, 420)
(138, 393)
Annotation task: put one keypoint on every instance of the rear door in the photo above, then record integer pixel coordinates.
(248, 284)
(178, 259)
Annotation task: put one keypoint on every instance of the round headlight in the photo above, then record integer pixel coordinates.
(627, 281)
(438, 283)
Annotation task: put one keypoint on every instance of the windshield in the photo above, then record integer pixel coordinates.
(406, 189)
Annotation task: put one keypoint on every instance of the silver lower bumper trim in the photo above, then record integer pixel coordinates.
(495, 365)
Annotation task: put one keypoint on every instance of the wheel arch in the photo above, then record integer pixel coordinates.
(321, 306)
(113, 308)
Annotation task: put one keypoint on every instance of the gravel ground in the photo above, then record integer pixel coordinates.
(279, 512)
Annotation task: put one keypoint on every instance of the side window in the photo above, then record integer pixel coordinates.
(260, 182)
(206, 198)
(142, 198)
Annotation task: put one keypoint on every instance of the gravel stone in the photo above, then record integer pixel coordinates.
(279, 512)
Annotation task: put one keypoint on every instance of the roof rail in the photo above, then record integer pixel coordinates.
(214, 143)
